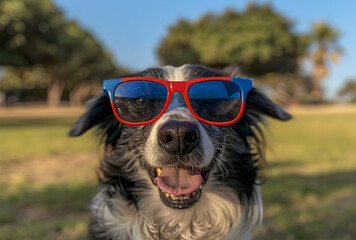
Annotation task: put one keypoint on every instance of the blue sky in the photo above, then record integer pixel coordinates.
(132, 29)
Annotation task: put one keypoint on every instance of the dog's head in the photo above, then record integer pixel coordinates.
(178, 156)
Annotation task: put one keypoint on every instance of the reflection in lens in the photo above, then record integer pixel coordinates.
(216, 101)
(139, 101)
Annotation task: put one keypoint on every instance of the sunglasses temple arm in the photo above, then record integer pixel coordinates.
(245, 84)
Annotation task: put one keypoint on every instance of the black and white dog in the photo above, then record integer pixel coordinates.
(226, 204)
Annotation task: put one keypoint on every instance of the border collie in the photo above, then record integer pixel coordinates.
(208, 190)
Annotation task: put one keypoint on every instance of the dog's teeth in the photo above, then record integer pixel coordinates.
(180, 197)
(201, 186)
(159, 171)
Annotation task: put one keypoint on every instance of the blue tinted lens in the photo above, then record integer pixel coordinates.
(216, 101)
(140, 101)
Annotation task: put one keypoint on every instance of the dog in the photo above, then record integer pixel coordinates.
(220, 194)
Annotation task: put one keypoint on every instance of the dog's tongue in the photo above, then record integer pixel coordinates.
(178, 181)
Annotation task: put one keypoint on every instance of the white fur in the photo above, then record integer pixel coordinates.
(152, 148)
(176, 74)
(216, 214)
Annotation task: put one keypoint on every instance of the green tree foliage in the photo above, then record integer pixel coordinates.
(262, 43)
(258, 39)
(34, 32)
(31, 32)
(24, 78)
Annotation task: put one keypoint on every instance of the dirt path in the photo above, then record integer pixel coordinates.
(54, 169)
(40, 111)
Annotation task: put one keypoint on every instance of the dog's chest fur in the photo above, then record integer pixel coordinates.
(216, 216)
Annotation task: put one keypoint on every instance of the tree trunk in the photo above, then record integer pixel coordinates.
(77, 95)
(54, 92)
(317, 94)
(319, 73)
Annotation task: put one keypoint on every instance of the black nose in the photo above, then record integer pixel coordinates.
(178, 138)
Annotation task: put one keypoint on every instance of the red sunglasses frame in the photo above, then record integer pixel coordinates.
(177, 86)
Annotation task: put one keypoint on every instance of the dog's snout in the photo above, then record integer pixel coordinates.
(178, 138)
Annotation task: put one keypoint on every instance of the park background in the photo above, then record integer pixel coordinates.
(54, 55)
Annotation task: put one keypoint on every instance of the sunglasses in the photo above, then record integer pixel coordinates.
(212, 100)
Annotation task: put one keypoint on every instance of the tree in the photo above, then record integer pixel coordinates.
(176, 49)
(88, 63)
(34, 32)
(258, 39)
(349, 90)
(30, 31)
(262, 42)
(324, 49)
(16, 78)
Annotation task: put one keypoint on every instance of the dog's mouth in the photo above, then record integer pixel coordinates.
(179, 187)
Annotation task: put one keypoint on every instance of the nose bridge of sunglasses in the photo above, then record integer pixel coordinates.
(177, 86)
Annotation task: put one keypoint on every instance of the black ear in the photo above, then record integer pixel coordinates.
(258, 103)
(99, 115)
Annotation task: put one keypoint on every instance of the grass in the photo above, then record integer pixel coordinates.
(310, 189)
(47, 179)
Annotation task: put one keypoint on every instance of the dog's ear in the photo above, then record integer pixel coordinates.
(99, 114)
(258, 103)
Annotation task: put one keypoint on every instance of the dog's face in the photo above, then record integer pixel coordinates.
(177, 152)
(178, 155)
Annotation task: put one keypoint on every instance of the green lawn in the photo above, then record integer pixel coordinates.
(47, 179)
(310, 189)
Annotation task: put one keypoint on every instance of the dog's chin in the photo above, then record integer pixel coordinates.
(179, 197)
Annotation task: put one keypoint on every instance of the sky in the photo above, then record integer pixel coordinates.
(133, 29)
